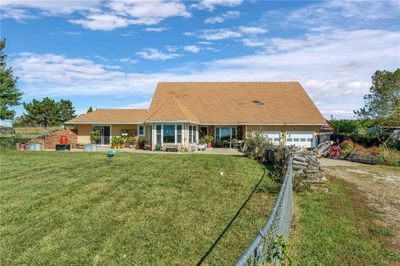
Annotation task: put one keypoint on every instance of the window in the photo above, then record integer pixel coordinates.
(192, 134)
(141, 130)
(179, 133)
(276, 139)
(158, 129)
(309, 139)
(289, 139)
(303, 139)
(296, 140)
(169, 133)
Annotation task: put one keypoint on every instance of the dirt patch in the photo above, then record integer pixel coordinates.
(380, 185)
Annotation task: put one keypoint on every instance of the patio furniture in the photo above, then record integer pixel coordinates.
(171, 147)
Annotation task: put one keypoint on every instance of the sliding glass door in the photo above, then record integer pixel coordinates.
(225, 134)
(105, 134)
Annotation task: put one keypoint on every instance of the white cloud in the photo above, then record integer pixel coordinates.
(252, 30)
(156, 29)
(253, 42)
(129, 60)
(96, 14)
(136, 105)
(210, 4)
(149, 9)
(226, 33)
(192, 48)
(47, 8)
(154, 54)
(120, 14)
(328, 15)
(334, 68)
(219, 34)
(105, 22)
(221, 18)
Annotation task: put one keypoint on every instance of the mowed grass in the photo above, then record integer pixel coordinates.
(339, 228)
(77, 208)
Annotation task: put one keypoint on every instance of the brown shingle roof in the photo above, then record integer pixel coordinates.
(173, 109)
(240, 102)
(112, 116)
(218, 103)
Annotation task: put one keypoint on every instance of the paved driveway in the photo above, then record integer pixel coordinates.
(381, 184)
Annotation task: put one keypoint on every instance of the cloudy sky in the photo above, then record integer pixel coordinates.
(111, 54)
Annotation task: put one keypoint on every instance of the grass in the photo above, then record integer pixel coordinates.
(339, 228)
(77, 208)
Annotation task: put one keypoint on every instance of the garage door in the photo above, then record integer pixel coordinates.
(272, 136)
(300, 138)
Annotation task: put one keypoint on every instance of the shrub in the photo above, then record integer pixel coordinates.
(389, 156)
(9, 142)
(256, 145)
(116, 141)
(347, 148)
(207, 139)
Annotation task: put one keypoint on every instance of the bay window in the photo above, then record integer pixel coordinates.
(192, 134)
(169, 133)
(158, 132)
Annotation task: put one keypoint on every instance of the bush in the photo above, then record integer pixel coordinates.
(9, 142)
(389, 156)
(347, 148)
(256, 145)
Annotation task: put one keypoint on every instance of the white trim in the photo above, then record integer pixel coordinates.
(173, 122)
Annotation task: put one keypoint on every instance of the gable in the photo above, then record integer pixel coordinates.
(241, 102)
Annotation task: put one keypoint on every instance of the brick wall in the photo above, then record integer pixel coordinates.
(51, 140)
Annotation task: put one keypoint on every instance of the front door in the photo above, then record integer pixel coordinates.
(105, 133)
(203, 131)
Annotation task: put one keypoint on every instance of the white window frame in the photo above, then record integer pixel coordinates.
(266, 133)
(176, 133)
(138, 129)
(193, 134)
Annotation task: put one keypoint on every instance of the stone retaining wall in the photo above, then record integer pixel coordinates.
(307, 170)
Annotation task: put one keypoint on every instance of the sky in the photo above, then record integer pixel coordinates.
(111, 54)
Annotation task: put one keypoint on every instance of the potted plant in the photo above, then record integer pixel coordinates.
(116, 142)
(208, 139)
(94, 138)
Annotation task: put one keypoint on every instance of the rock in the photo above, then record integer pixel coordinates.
(307, 170)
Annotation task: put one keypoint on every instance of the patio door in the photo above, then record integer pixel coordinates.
(224, 135)
(105, 134)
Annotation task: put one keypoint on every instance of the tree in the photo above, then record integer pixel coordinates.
(383, 101)
(67, 110)
(9, 94)
(48, 112)
(89, 110)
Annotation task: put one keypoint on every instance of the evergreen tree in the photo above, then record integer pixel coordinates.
(9, 94)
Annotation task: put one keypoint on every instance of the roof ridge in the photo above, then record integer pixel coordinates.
(184, 108)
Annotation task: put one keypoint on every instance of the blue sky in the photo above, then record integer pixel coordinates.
(111, 54)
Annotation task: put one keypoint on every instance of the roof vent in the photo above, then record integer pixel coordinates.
(258, 102)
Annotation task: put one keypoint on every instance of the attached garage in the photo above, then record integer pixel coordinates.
(272, 136)
(300, 138)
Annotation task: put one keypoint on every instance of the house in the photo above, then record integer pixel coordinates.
(182, 112)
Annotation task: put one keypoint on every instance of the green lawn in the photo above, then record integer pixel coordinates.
(77, 208)
(339, 228)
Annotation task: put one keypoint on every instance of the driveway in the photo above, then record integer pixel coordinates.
(381, 185)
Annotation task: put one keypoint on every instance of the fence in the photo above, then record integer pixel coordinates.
(262, 249)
